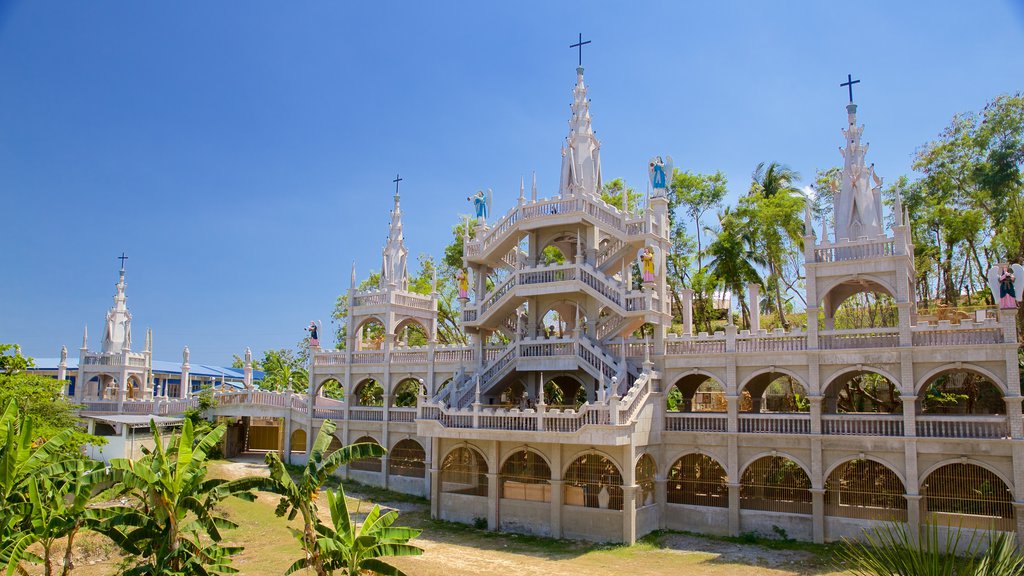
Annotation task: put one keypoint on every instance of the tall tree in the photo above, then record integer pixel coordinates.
(734, 258)
(698, 193)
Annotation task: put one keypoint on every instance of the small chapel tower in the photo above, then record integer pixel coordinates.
(581, 153)
(858, 202)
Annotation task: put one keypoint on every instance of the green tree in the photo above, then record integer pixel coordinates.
(734, 257)
(299, 498)
(174, 528)
(282, 370)
(343, 547)
(612, 192)
(697, 194)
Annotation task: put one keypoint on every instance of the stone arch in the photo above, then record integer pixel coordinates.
(464, 470)
(969, 494)
(133, 387)
(412, 332)
(407, 458)
(758, 384)
(645, 473)
(366, 464)
(330, 387)
(961, 389)
(368, 392)
(593, 480)
(372, 339)
(853, 389)
(683, 394)
(525, 474)
(861, 283)
(565, 389)
(564, 241)
(865, 487)
(558, 319)
(298, 441)
(698, 479)
(775, 483)
(1007, 480)
(514, 393)
(406, 393)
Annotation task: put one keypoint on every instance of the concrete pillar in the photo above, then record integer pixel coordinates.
(686, 299)
(815, 413)
(435, 478)
(818, 514)
(914, 502)
(629, 514)
(557, 494)
(909, 415)
(734, 509)
(493, 493)
(812, 328)
(1013, 414)
(732, 409)
(754, 304)
(287, 440)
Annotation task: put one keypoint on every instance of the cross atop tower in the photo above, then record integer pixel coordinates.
(396, 181)
(579, 44)
(122, 258)
(849, 84)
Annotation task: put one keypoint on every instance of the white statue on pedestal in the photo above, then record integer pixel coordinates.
(660, 173)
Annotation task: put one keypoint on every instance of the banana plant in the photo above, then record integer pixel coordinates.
(300, 497)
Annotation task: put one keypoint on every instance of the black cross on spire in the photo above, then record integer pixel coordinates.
(396, 181)
(579, 44)
(849, 84)
(122, 258)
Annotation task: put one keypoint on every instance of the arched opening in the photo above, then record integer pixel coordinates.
(960, 391)
(865, 489)
(774, 392)
(104, 429)
(407, 393)
(443, 386)
(775, 484)
(514, 395)
(369, 393)
(592, 480)
(408, 459)
(525, 475)
(559, 250)
(967, 495)
(332, 389)
(644, 475)
(859, 303)
(333, 447)
(862, 391)
(564, 391)
(134, 388)
(366, 464)
(696, 393)
(698, 480)
(370, 335)
(411, 332)
(298, 441)
(464, 471)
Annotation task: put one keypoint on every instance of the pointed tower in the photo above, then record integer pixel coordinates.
(393, 268)
(117, 334)
(581, 153)
(858, 204)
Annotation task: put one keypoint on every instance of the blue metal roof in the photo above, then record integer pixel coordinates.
(161, 367)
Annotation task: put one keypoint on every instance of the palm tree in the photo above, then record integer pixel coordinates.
(775, 205)
(299, 498)
(174, 527)
(733, 257)
(342, 547)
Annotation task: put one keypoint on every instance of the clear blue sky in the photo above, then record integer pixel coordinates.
(242, 152)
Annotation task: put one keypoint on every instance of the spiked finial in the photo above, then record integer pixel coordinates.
(522, 189)
(85, 338)
(533, 192)
(353, 274)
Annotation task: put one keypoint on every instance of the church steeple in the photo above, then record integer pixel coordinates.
(858, 205)
(581, 153)
(117, 335)
(393, 268)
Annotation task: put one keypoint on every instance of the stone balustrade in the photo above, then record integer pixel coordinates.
(857, 249)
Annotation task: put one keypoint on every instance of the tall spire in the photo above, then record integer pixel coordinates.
(117, 334)
(393, 269)
(581, 153)
(858, 205)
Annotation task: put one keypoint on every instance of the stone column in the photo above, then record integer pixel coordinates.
(734, 509)
(686, 297)
(914, 514)
(754, 303)
(629, 514)
(818, 514)
(435, 478)
(556, 506)
(661, 500)
(1013, 414)
(732, 408)
(909, 415)
(493, 493)
(815, 401)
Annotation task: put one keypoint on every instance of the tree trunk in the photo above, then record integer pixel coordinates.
(69, 562)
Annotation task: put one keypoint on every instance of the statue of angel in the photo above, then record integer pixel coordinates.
(660, 173)
(482, 203)
(1006, 284)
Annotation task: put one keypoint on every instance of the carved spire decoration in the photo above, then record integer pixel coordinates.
(117, 333)
(858, 205)
(581, 153)
(395, 255)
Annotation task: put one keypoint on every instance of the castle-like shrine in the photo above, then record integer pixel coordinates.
(557, 420)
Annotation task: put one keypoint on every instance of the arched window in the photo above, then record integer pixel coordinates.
(774, 392)
(369, 393)
(464, 471)
(407, 458)
(862, 391)
(644, 474)
(406, 393)
(333, 389)
(699, 480)
(594, 481)
(775, 484)
(366, 464)
(961, 392)
(970, 496)
(865, 489)
(298, 441)
(525, 476)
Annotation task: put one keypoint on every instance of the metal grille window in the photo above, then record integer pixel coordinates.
(699, 480)
(644, 474)
(593, 481)
(970, 496)
(407, 458)
(464, 471)
(526, 476)
(366, 464)
(775, 484)
(865, 489)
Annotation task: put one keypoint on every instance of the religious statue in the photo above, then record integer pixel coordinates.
(63, 354)
(660, 172)
(1007, 285)
(314, 334)
(184, 355)
(481, 204)
(649, 260)
(463, 280)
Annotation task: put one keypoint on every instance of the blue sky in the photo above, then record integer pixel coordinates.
(242, 152)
